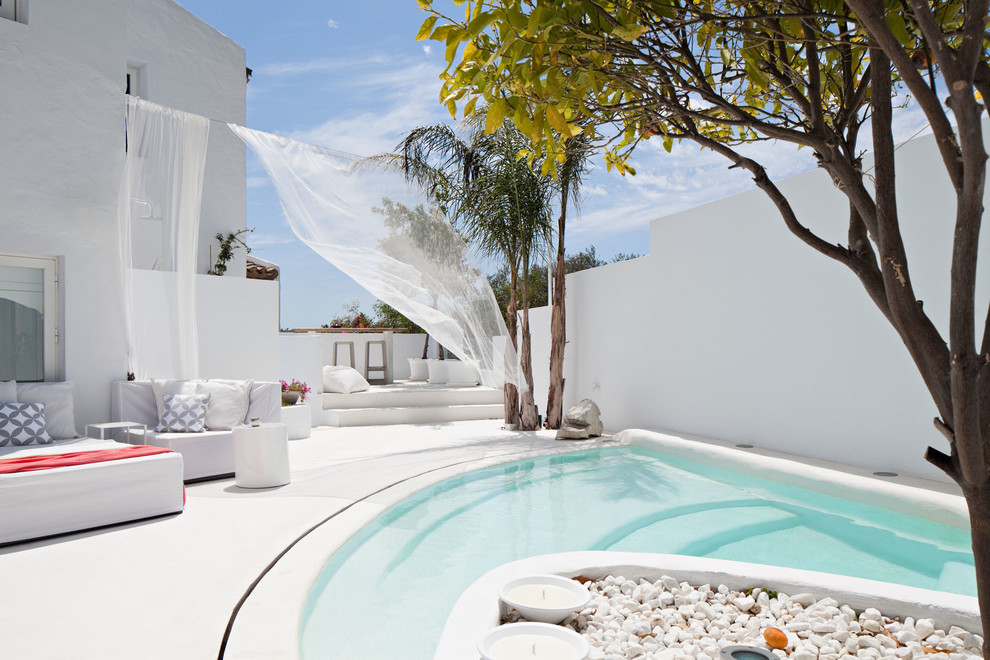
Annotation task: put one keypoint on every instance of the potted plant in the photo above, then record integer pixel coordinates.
(294, 392)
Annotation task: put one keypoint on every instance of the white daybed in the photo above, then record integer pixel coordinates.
(67, 499)
(53, 501)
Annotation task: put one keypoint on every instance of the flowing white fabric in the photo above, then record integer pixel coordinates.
(158, 220)
(369, 224)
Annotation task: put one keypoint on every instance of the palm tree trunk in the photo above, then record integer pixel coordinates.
(558, 329)
(529, 420)
(510, 391)
(426, 346)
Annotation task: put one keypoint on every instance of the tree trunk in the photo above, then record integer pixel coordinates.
(529, 420)
(978, 501)
(426, 347)
(510, 397)
(510, 391)
(558, 330)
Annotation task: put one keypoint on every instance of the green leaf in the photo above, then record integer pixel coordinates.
(426, 28)
(556, 121)
(424, 4)
(479, 23)
(495, 116)
(896, 24)
(469, 108)
(629, 32)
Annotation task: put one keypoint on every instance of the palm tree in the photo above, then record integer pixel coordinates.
(499, 202)
(509, 206)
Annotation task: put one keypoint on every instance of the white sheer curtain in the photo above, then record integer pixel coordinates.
(369, 224)
(158, 219)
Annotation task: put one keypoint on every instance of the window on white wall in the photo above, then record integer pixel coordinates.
(133, 80)
(29, 331)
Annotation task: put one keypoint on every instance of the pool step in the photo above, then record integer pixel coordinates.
(411, 414)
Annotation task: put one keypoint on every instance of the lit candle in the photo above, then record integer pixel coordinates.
(544, 595)
(532, 647)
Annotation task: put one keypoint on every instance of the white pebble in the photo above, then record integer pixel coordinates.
(924, 627)
(669, 620)
(804, 600)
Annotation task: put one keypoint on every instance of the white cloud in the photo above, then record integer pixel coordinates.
(405, 98)
(427, 49)
(268, 240)
(319, 65)
(258, 181)
(333, 24)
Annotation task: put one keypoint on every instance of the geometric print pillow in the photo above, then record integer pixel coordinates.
(23, 424)
(183, 413)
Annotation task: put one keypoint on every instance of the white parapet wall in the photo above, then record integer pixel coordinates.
(237, 323)
(733, 328)
(302, 356)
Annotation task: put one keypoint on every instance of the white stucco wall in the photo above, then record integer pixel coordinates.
(188, 65)
(62, 78)
(734, 329)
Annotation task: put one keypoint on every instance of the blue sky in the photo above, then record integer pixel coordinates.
(352, 77)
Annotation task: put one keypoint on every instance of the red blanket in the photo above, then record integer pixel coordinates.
(49, 461)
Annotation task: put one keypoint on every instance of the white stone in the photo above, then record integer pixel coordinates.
(872, 625)
(904, 636)
(924, 627)
(804, 600)
(744, 603)
(871, 613)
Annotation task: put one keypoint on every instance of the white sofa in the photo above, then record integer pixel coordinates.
(208, 454)
(58, 500)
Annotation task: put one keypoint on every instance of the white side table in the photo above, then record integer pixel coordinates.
(114, 426)
(299, 419)
(261, 456)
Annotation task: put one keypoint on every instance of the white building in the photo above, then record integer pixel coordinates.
(65, 67)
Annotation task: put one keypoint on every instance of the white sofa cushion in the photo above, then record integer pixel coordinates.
(60, 414)
(228, 405)
(163, 387)
(343, 380)
(184, 413)
(23, 424)
(8, 391)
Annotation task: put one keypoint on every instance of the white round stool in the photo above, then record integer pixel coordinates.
(261, 456)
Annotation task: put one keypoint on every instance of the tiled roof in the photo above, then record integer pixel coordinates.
(257, 271)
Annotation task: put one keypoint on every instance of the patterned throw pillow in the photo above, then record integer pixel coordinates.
(183, 413)
(23, 424)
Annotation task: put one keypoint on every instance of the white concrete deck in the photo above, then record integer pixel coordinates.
(166, 588)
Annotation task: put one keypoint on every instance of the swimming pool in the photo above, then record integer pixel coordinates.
(387, 592)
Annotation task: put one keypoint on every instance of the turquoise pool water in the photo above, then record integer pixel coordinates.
(387, 592)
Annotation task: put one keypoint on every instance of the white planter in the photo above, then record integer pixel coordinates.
(438, 370)
(418, 369)
(298, 420)
(461, 373)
